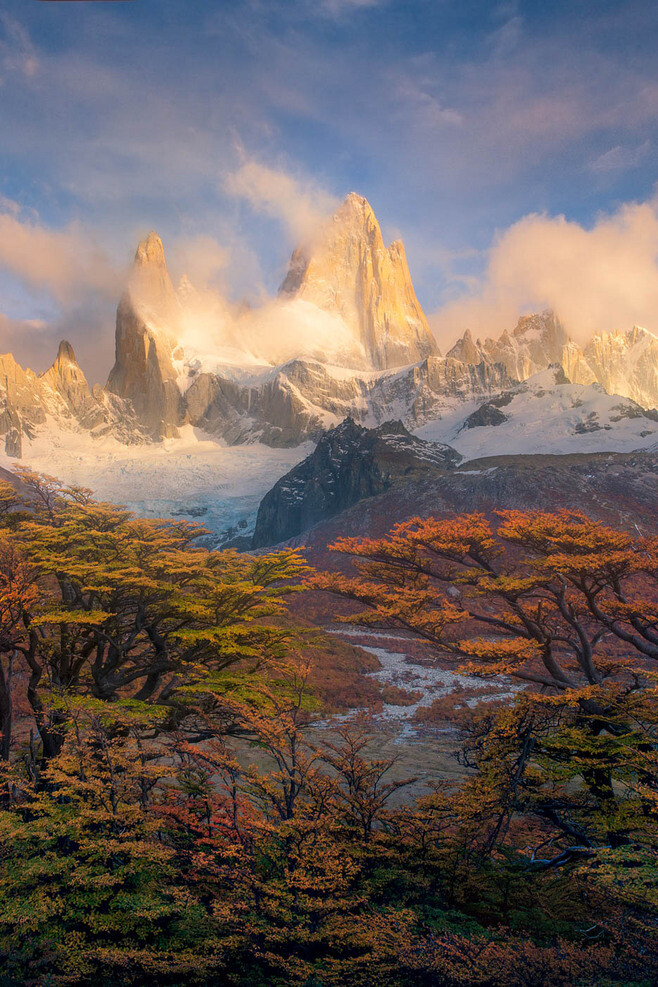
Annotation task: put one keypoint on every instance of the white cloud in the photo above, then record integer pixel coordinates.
(63, 263)
(300, 204)
(601, 278)
(201, 258)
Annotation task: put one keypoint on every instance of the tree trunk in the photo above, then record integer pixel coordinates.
(6, 707)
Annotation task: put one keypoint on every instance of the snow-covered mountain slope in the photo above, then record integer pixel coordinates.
(193, 476)
(623, 363)
(546, 414)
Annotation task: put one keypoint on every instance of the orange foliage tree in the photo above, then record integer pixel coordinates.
(566, 606)
(539, 597)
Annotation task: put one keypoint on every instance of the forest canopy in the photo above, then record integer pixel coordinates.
(171, 812)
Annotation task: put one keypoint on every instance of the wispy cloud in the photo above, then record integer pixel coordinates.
(426, 110)
(64, 263)
(339, 7)
(299, 203)
(505, 38)
(17, 53)
(620, 158)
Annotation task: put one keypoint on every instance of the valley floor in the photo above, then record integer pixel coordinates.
(407, 726)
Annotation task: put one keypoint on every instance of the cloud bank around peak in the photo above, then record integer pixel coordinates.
(601, 278)
(68, 287)
(300, 204)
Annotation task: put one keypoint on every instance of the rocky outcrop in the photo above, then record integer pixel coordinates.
(488, 415)
(301, 399)
(349, 464)
(347, 270)
(436, 384)
(68, 387)
(624, 363)
(21, 407)
(146, 340)
(60, 396)
(535, 342)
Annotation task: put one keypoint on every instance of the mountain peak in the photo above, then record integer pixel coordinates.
(544, 323)
(150, 252)
(65, 353)
(354, 200)
(348, 271)
(466, 350)
(355, 207)
(146, 329)
(150, 291)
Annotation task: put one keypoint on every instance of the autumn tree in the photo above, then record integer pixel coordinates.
(544, 588)
(130, 607)
(90, 892)
(182, 818)
(560, 603)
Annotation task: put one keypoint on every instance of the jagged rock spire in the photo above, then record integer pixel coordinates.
(150, 286)
(349, 271)
(67, 382)
(146, 324)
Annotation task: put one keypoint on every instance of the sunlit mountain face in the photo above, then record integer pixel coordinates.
(196, 378)
(328, 493)
(517, 315)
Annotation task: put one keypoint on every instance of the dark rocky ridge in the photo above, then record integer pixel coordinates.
(350, 463)
(620, 489)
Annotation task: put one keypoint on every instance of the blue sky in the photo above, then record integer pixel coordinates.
(229, 126)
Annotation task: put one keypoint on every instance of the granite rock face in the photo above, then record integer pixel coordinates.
(487, 415)
(146, 329)
(285, 405)
(348, 270)
(385, 363)
(301, 399)
(348, 464)
(535, 343)
(624, 363)
(62, 397)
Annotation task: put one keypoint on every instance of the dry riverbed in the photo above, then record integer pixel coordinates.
(403, 727)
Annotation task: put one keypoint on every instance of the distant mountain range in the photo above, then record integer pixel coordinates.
(346, 336)
(624, 363)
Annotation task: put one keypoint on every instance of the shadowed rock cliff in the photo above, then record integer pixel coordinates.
(349, 464)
